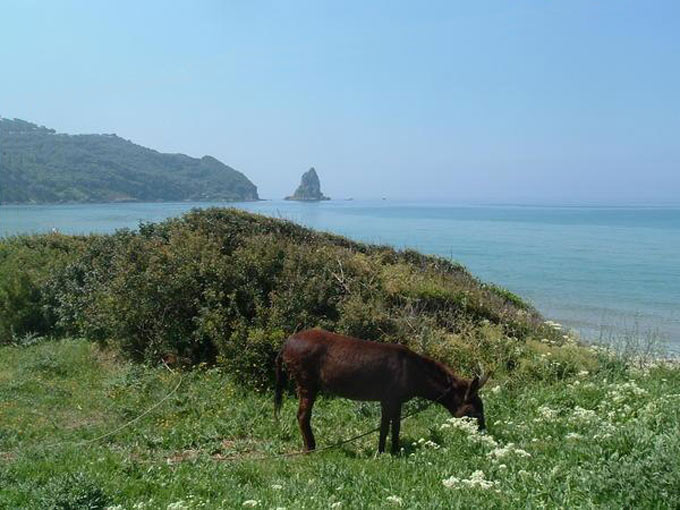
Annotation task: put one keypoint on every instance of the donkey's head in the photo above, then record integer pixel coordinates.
(464, 399)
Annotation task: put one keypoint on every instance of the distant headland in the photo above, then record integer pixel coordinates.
(39, 165)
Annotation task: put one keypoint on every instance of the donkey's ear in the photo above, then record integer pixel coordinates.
(483, 375)
(473, 388)
(484, 380)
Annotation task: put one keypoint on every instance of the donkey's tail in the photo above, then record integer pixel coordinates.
(280, 385)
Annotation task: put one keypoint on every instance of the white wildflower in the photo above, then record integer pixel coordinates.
(395, 500)
(251, 503)
(484, 439)
(451, 482)
(476, 480)
(583, 415)
(583, 373)
(632, 387)
(277, 487)
(496, 389)
(337, 504)
(469, 426)
(554, 325)
(621, 392)
(546, 414)
(508, 449)
(479, 480)
(616, 397)
(466, 424)
(573, 435)
(178, 505)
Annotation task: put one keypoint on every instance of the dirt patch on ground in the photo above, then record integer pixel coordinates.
(228, 450)
(183, 456)
(82, 422)
(7, 456)
(107, 358)
(246, 450)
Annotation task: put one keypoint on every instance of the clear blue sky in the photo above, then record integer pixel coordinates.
(513, 101)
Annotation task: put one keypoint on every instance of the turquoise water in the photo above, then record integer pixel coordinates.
(599, 270)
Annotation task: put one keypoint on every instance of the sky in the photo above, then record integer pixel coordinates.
(492, 101)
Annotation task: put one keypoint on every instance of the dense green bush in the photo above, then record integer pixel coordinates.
(222, 285)
(26, 265)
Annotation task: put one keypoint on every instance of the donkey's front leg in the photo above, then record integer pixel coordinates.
(396, 426)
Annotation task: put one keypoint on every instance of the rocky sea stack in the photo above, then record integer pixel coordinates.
(309, 189)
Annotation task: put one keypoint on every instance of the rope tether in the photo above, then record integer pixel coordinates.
(334, 445)
(241, 457)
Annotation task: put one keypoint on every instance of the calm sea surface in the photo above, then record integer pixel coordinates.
(599, 270)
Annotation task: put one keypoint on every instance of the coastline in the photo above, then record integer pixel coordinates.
(188, 200)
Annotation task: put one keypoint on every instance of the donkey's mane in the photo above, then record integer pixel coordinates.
(443, 372)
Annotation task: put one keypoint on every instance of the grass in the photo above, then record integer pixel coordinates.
(603, 439)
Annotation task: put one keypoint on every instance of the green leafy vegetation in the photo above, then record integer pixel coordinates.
(604, 437)
(26, 265)
(225, 286)
(38, 165)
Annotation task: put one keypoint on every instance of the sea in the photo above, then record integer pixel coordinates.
(609, 273)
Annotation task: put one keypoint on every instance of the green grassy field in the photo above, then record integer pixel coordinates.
(603, 439)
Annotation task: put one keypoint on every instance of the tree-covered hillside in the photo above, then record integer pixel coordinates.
(39, 165)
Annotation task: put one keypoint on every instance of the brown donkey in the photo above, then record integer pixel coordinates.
(362, 370)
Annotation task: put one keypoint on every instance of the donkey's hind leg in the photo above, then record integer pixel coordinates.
(304, 416)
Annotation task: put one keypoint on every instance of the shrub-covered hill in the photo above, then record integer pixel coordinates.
(226, 286)
(38, 165)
